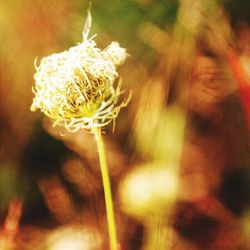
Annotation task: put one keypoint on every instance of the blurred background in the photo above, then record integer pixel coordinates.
(179, 157)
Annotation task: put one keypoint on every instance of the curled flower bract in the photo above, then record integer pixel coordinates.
(76, 88)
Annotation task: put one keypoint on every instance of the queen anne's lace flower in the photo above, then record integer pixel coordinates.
(75, 88)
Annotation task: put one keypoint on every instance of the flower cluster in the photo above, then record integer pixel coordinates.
(76, 88)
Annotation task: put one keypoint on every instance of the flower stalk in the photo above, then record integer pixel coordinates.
(107, 190)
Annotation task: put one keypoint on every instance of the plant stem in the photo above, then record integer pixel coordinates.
(107, 190)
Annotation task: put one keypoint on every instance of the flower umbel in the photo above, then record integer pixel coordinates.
(76, 88)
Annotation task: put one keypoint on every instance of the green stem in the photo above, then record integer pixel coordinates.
(107, 190)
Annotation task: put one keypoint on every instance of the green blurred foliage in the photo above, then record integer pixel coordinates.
(123, 19)
(9, 185)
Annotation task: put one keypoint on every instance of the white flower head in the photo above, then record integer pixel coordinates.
(75, 88)
(115, 53)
